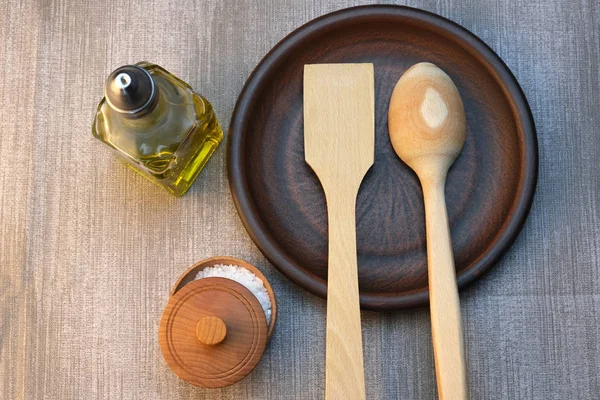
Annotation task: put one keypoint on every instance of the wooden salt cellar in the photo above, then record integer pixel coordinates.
(213, 331)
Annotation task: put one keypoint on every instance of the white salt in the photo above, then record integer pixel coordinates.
(245, 278)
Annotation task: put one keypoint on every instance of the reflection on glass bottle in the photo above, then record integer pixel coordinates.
(157, 124)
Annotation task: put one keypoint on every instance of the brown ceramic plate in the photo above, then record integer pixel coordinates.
(489, 189)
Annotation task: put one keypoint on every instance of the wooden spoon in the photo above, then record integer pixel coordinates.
(339, 143)
(427, 129)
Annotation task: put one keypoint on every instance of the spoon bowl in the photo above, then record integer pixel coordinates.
(427, 120)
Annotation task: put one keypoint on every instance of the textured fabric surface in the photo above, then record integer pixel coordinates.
(89, 250)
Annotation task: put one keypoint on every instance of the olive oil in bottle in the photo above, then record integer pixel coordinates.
(157, 125)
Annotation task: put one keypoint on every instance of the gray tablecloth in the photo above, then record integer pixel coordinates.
(89, 250)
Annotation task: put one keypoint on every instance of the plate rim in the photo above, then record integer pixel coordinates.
(249, 215)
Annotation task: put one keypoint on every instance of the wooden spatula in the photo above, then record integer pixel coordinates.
(339, 141)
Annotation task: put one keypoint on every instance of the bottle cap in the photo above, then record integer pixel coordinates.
(131, 91)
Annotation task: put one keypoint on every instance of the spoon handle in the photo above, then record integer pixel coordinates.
(444, 304)
(344, 375)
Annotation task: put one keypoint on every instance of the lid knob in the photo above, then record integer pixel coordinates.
(211, 330)
(130, 90)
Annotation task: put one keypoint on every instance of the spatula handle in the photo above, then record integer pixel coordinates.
(344, 356)
(446, 327)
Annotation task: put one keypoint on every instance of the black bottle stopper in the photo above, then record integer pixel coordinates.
(130, 90)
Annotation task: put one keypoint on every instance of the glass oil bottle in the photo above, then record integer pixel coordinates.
(157, 125)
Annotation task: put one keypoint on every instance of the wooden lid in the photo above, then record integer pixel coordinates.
(213, 332)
